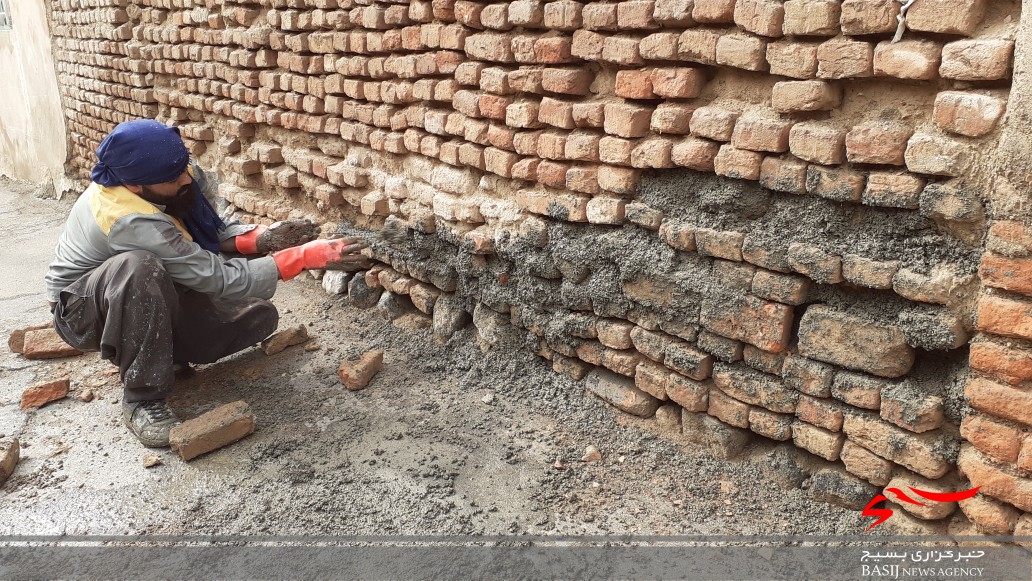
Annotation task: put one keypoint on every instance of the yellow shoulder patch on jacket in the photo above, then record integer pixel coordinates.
(109, 204)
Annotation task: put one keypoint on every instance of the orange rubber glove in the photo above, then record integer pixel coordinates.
(336, 253)
(247, 243)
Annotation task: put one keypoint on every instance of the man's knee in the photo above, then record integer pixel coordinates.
(136, 261)
(268, 316)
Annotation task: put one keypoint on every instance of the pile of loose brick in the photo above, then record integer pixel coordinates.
(502, 132)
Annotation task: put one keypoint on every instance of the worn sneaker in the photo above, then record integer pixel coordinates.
(150, 421)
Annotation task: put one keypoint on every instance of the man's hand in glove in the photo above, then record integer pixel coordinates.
(333, 254)
(279, 236)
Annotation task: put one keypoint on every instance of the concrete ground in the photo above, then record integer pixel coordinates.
(445, 440)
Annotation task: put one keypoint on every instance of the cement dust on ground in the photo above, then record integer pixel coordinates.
(444, 440)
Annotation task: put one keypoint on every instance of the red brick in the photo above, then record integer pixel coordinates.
(878, 142)
(812, 17)
(43, 393)
(714, 123)
(783, 288)
(1000, 400)
(615, 150)
(865, 464)
(589, 114)
(904, 481)
(553, 50)
(795, 96)
(684, 359)
(615, 333)
(659, 46)
(760, 133)
(821, 412)
(651, 344)
(946, 16)
(834, 183)
(893, 190)
(770, 425)
(737, 163)
(989, 516)
(714, 11)
(695, 153)
(918, 452)
(620, 180)
(652, 379)
(755, 388)
(728, 409)
(690, 394)
(678, 235)
(643, 215)
(843, 339)
(792, 59)
(46, 344)
(995, 481)
(907, 59)
(678, 83)
(1010, 238)
(672, 118)
(977, 60)
(1025, 455)
(761, 323)
(868, 273)
(527, 13)
(219, 427)
(490, 46)
(968, 114)
(861, 17)
(783, 175)
(566, 81)
(652, 152)
(1004, 362)
(699, 45)
(1013, 274)
(827, 445)
(819, 143)
(552, 174)
(992, 437)
(582, 146)
(16, 340)
(556, 113)
(915, 412)
(622, 51)
(742, 51)
(843, 58)
(523, 114)
(621, 393)
(634, 84)
(356, 373)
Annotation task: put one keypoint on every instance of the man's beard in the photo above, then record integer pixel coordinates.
(178, 206)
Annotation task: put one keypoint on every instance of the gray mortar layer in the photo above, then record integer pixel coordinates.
(776, 220)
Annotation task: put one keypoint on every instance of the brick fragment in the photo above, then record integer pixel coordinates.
(46, 344)
(843, 339)
(869, 273)
(41, 394)
(356, 373)
(966, 113)
(723, 348)
(632, 84)
(659, 46)
(16, 340)
(213, 430)
(926, 510)
(621, 393)
(10, 454)
(821, 412)
(915, 412)
(1010, 238)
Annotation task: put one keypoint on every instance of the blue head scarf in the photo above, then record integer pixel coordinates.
(145, 152)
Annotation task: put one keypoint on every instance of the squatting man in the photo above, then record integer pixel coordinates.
(141, 273)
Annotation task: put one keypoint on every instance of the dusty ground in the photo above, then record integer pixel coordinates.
(445, 440)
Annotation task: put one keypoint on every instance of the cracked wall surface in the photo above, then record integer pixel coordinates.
(758, 218)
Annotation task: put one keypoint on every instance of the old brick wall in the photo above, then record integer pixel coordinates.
(758, 218)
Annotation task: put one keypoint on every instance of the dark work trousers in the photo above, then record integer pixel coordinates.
(130, 310)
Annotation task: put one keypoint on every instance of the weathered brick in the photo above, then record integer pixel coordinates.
(673, 118)
(913, 411)
(784, 288)
(742, 51)
(783, 174)
(566, 81)
(699, 45)
(763, 17)
(714, 123)
(821, 412)
(1010, 238)
(356, 373)
(893, 190)
(1000, 400)
(728, 410)
(989, 516)
(627, 120)
(770, 425)
(796, 96)
(652, 379)
(878, 142)
(674, 12)
(865, 464)
(936, 155)
(620, 392)
(966, 113)
(677, 83)
(652, 152)
(925, 510)
(622, 51)
(16, 340)
(977, 60)
(843, 58)
(41, 394)
(761, 133)
(808, 376)
(1001, 316)
(993, 437)
(755, 388)
(764, 361)
(10, 454)
(814, 262)
(723, 348)
(843, 339)
(1004, 362)
(684, 359)
(587, 45)
(812, 17)
(926, 454)
(571, 367)
(821, 442)
(858, 389)
(946, 16)
(869, 273)
(714, 11)
(726, 245)
(636, 15)
(995, 481)
(219, 427)
(907, 59)
(834, 183)
(790, 58)
(563, 15)
(861, 17)
(659, 46)
(690, 394)
(620, 180)
(817, 142)
(634, 84)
